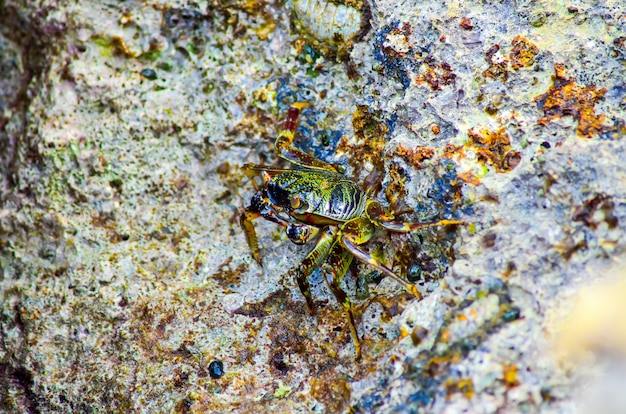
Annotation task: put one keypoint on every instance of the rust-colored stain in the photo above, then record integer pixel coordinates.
(595, 210)
(392, 306)
(108, 222)
(523, 53)
(570, 246)
(509, 270)
(466, 23)
(404, 33)
(566, 98)
(494, 148)
(228, 276)
(489, 240)
(270, 305)
(255, 122)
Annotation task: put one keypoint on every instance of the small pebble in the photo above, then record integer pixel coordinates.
(149, 74)
(418, 334)
(216, 369)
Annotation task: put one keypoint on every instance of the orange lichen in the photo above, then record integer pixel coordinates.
(451, 151)
(414, 156)
(458, 152)
(510, 375)
(435, 74)
(463, 386)
(494, 148)
(523, 53)
(566, 98)
(498, 64)
(445, 335)
(469, 178)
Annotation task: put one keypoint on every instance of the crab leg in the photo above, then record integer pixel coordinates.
(257, 209)
(248, 228)
(334, 270)
(312, 261)
(284, 142)
(384, 219)
(369, 259)
(358, 231)
(405, 227)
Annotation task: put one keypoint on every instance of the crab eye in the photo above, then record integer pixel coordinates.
(296, 203)
(298, 233)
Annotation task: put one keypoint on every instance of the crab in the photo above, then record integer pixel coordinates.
(315, 201)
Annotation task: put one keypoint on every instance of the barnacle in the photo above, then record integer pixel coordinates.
(331, 26)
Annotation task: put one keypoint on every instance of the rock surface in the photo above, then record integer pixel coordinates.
(126, 281)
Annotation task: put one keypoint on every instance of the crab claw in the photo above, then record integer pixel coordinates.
(253, 243)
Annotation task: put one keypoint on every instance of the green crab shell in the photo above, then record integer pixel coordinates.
(317, 197)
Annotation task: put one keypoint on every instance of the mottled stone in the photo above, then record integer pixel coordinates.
(124, 272)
